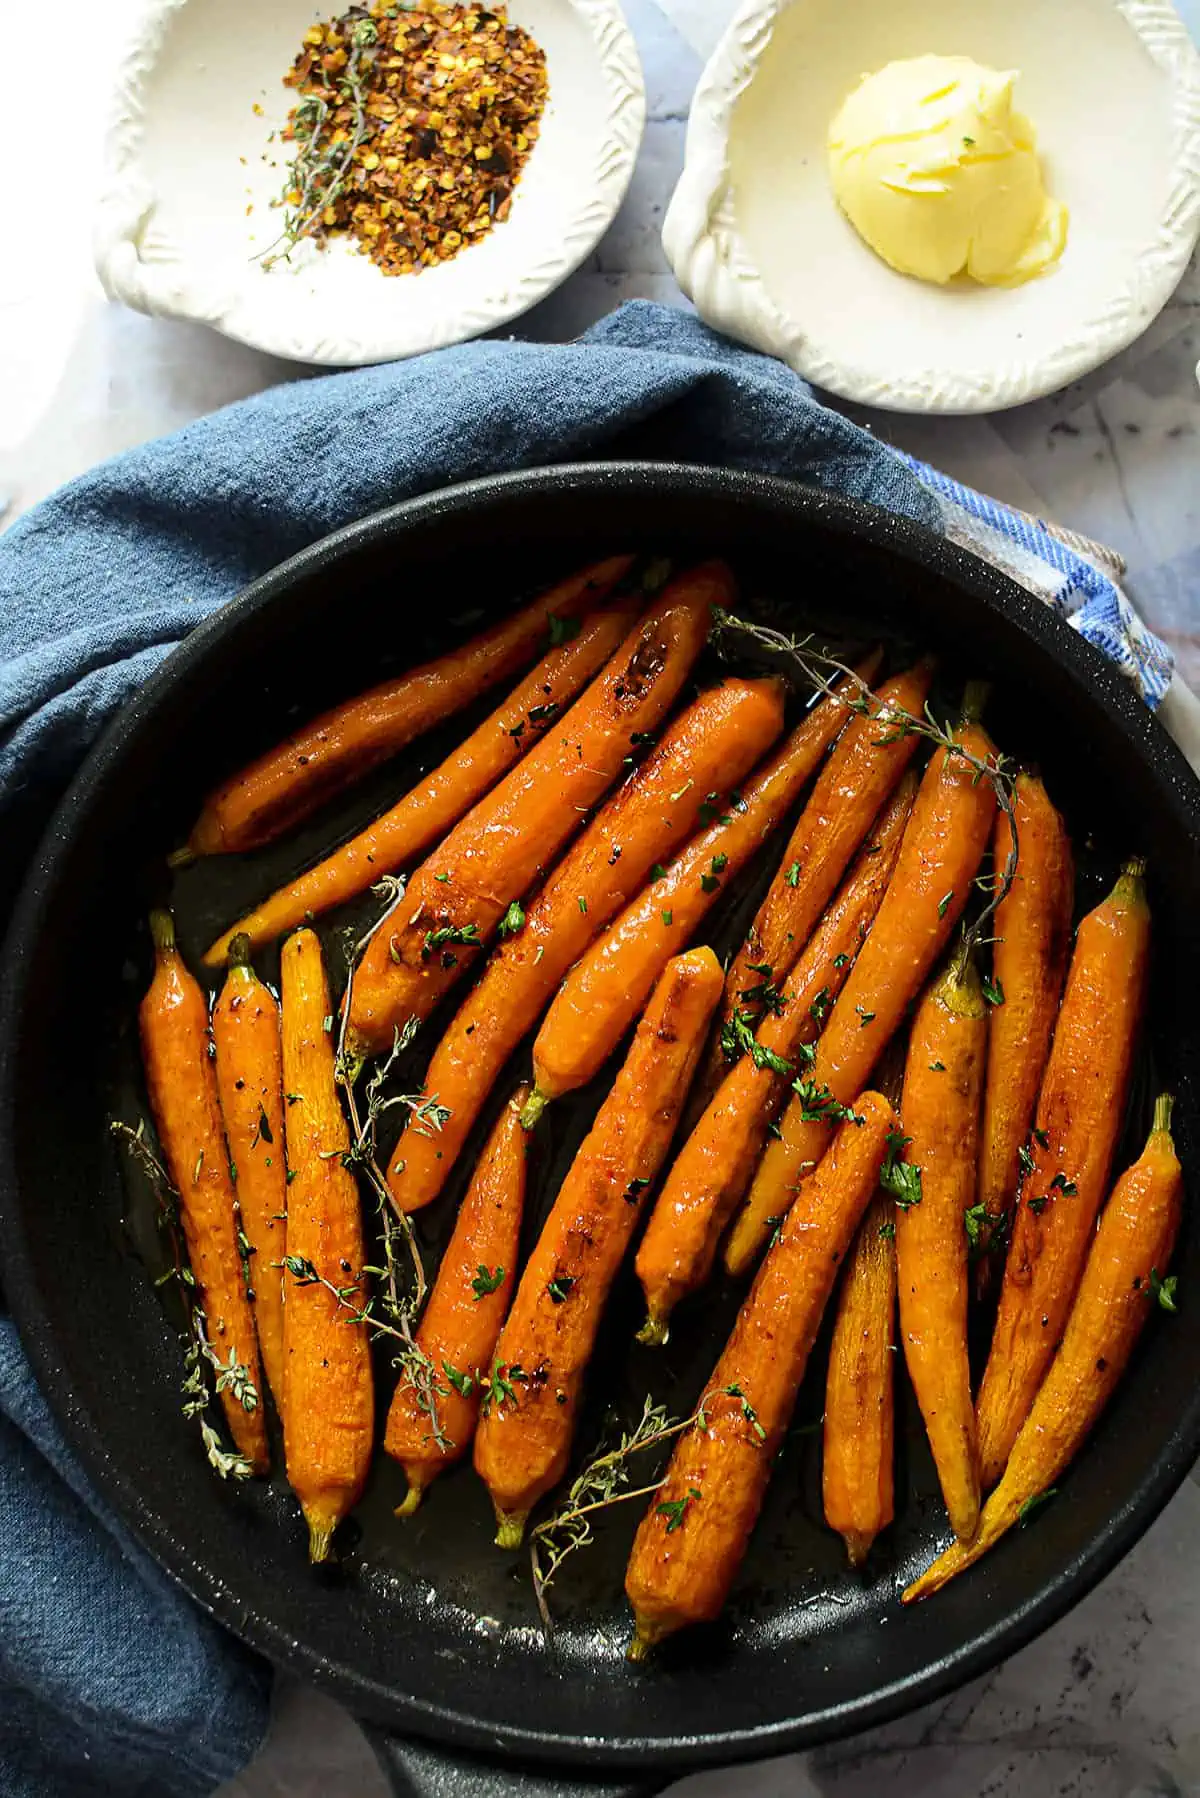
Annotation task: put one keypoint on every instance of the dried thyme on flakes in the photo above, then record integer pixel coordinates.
(411, 131)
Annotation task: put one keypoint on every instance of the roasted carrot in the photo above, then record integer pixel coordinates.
(859, 1427)
(182, 1085)
(864, 766)
(275, 791)
(943, 846)
(715, 1165)
(456, 899)
(245, 1027)
(436, 803)
(328, 1403)
(939, 1110)
(1033, 941)
(428, 1431)
(1079, 1114)
(610, 984)
(716, 740)
(691, 1541)
(528, 1419)
(1128, 1257)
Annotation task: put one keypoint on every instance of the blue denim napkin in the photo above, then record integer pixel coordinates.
(110, 1681)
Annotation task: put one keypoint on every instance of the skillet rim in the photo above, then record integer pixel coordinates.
(981, 585)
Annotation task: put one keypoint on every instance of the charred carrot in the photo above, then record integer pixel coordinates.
(245, 1029)
(457, 898)
(715, 1165)
(864, 766)
(1128, 1257)
(436, 803)
(1033, 941)
(858, 1453)
(282, 786)
(717, 739)
(691, 1541)
(607, 989)
(935, 1187)
(1079, 1114)
(528, 1418)
(429, 1430)
(328, 1402)
(182, 1085)
(943, 846)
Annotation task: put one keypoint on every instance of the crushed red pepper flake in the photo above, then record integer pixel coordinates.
(412, 129)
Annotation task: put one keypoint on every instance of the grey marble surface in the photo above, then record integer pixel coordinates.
(1106, 1704)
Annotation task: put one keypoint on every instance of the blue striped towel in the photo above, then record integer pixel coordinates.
(1077, 577)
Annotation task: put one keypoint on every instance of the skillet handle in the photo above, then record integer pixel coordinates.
(419, 1770)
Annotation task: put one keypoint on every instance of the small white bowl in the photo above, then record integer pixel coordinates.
(756, 239)
(191, 172)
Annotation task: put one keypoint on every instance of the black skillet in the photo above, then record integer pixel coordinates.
(427, 1631)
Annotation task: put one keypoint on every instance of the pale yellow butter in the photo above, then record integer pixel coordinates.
(941, 177)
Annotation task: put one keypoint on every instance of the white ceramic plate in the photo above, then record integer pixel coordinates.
(191, 173)
(756, 239)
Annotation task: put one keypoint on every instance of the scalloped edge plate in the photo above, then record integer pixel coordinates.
(194, 162)
(757, 242)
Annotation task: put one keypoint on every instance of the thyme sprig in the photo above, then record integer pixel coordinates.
(205, 1375)
(604, 1481)
(827, 674)
(321, 166)
(401, 1309)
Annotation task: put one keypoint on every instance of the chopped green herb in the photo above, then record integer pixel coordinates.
(450, 933)
(944, 903)
(709, 883)
(888, 1231)
(720, 863)
(818, 1105)
(793, 875)
(937, 1067)
(668, 917)
(462, 1383)
(819, 1009)
(485, 1281)
(1025, 1160)
(635, 1189)
(1164, 1290)
(543, 714)
(513, 919)
(975, 1222)
(901, 1178)
(867, 1017)
(559, 1287)
(686, 787)
(1037, 1206)
(445, 877)
(1065, 1186)
(1043, 1137)
(993, 992)
(738, 1039)
(582, 903)
(500, 1384)
(841, 961)
(658, 872)
(673, 1509)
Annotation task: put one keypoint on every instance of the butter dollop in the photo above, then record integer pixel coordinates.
(940, 176)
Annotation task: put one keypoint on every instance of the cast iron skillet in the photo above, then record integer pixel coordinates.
(426, 1629)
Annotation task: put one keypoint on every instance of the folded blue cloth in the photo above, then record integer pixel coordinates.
(109, 1680)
